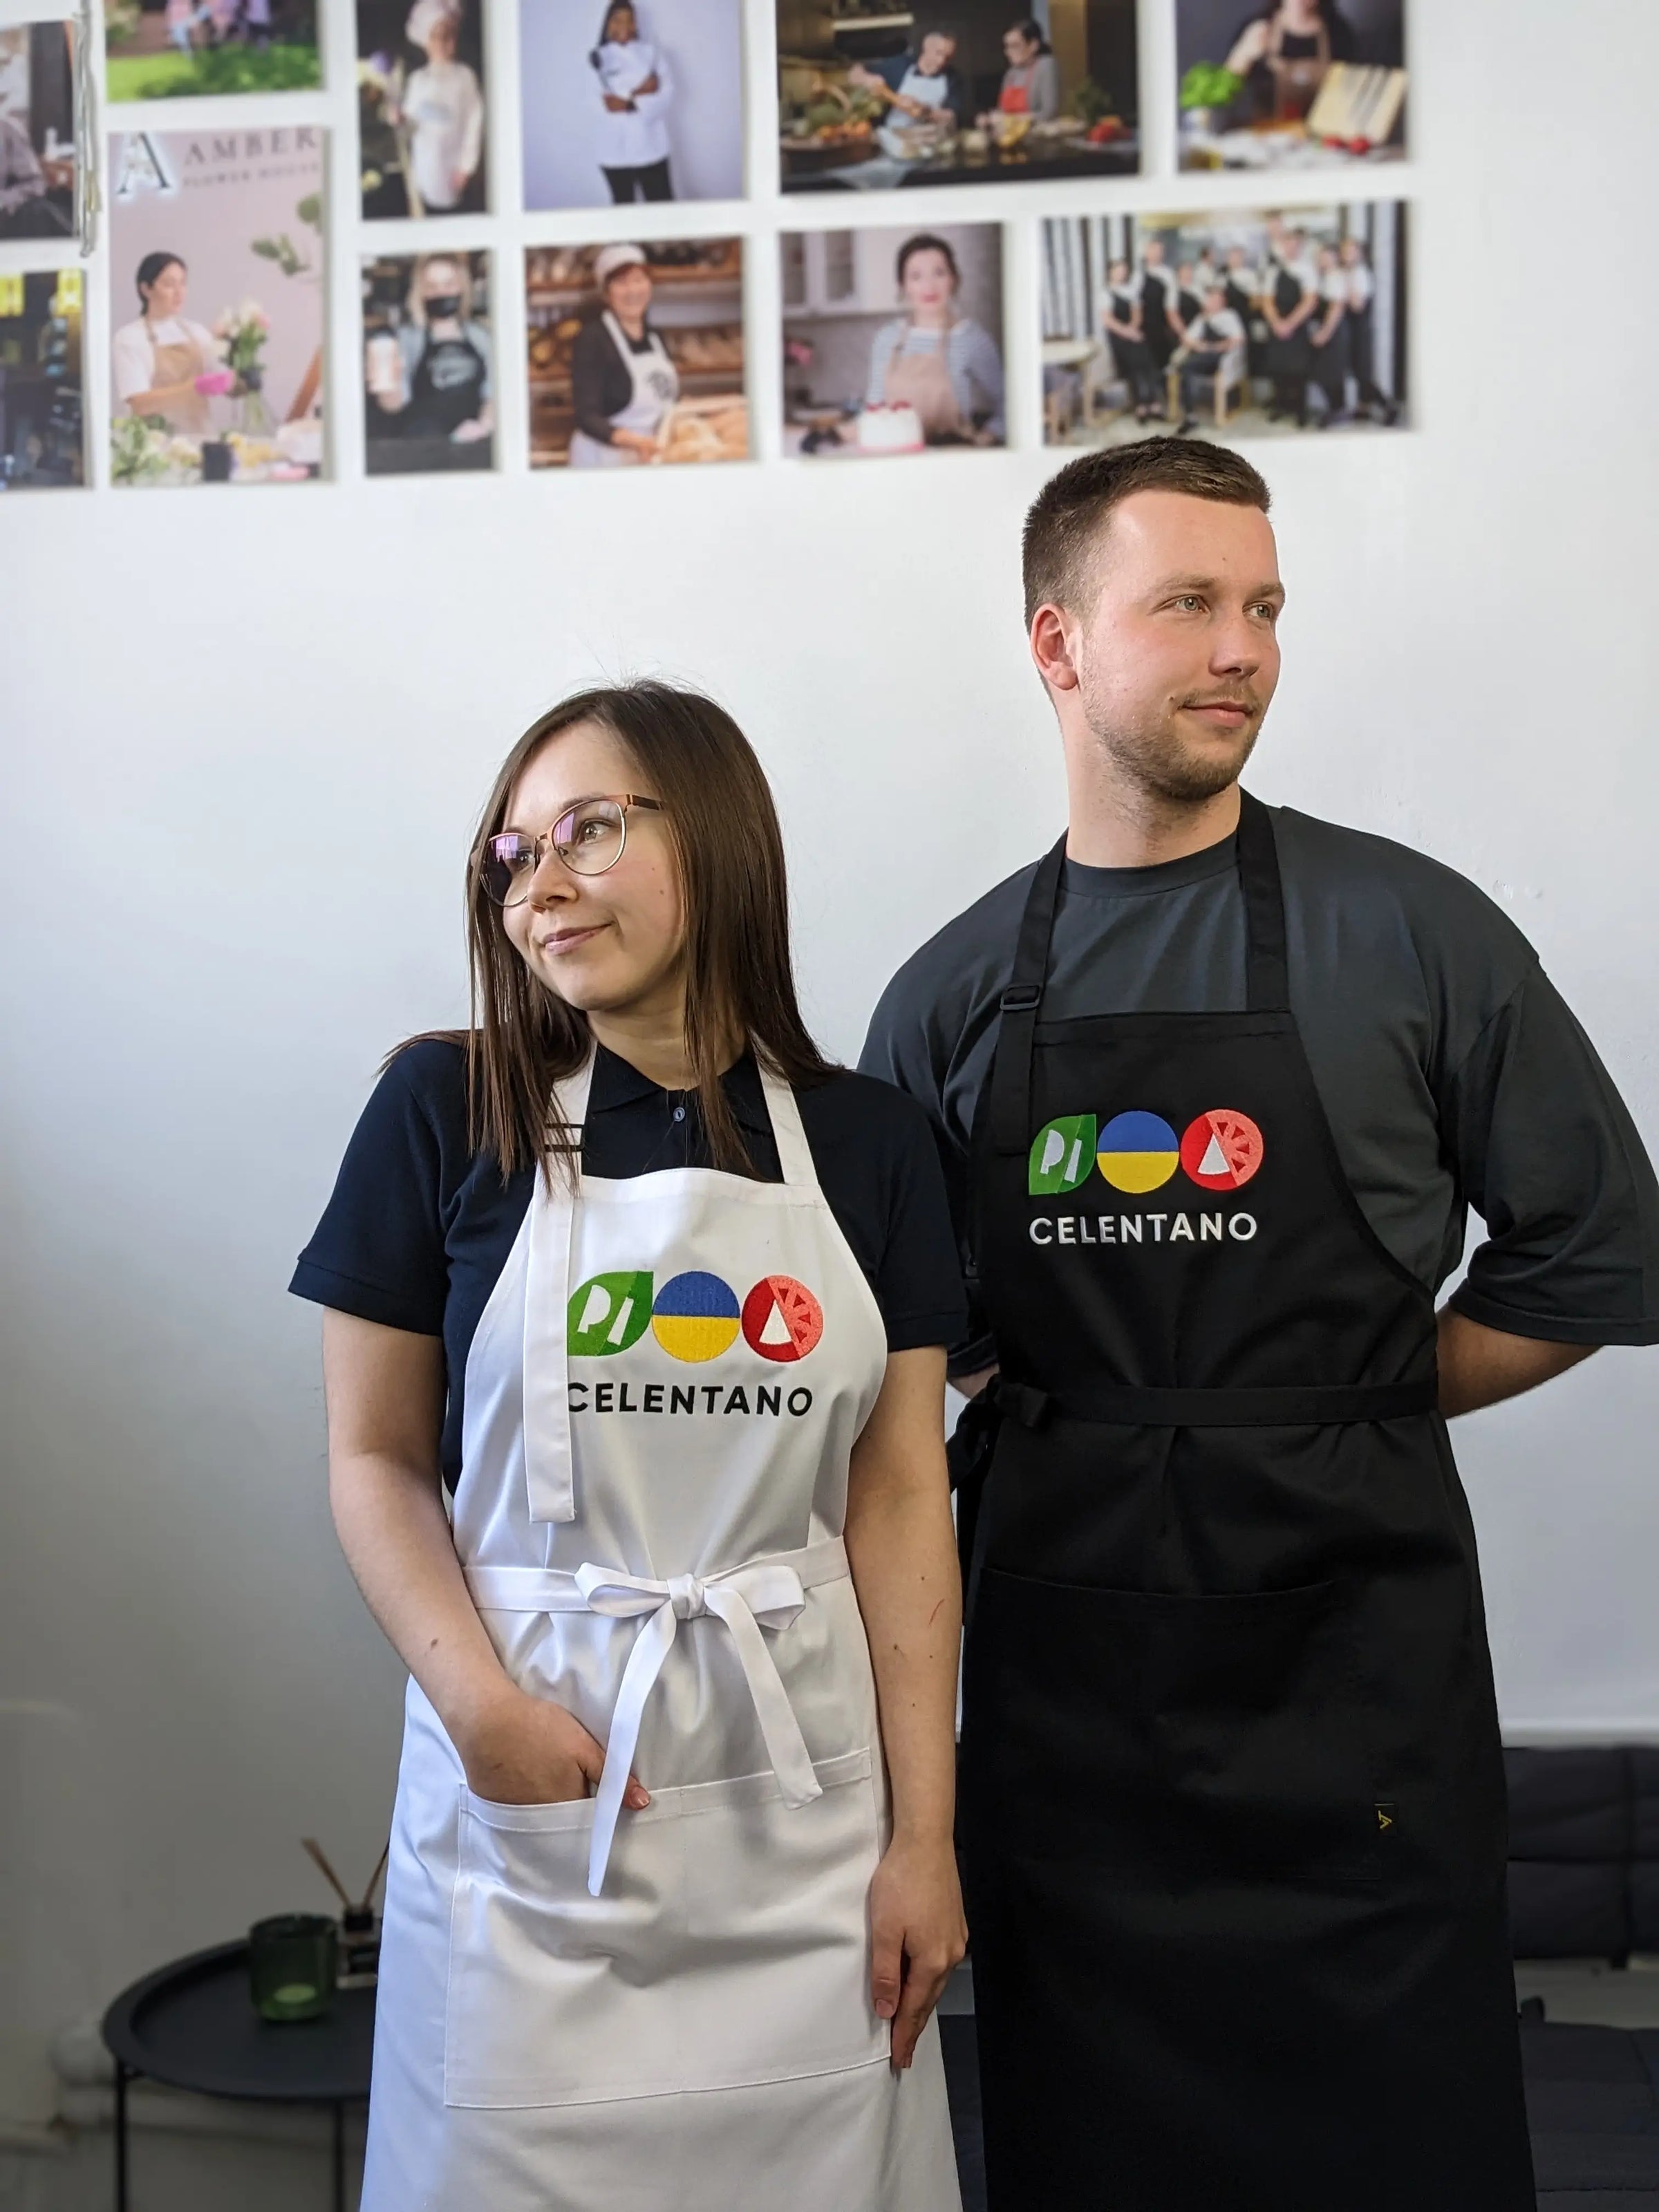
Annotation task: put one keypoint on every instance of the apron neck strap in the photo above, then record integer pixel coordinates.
(1267, 981)
(794, 1154)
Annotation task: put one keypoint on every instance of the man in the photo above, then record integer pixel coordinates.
(925, 85)
(1216, 340)
(1215, 1084)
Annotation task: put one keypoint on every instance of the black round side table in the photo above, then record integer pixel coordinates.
(192, 2025)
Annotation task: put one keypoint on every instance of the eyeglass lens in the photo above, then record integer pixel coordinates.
(588, 839)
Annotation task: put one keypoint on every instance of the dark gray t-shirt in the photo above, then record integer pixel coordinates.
(1453, 1076)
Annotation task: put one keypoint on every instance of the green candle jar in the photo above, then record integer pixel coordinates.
(291, 1964)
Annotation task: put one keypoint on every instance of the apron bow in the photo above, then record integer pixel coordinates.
(768, 1595)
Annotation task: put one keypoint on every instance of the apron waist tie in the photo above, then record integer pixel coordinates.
(768, 1593)
(1318, 1405)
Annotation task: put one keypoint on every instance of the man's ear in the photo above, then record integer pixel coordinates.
(1054, 639)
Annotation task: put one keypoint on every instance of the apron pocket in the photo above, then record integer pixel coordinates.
(1188, 1737)
(776, 1935)
(730, 1945)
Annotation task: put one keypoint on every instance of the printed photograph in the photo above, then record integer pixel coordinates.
(169, 49)
(641, 101)
(1229, 326)
(37, 130)
(892, 340)
(421, 108)
(1293, 84)
(870, 99)
(216, 300)
(429, 376)
(636, 354)
(42, 425)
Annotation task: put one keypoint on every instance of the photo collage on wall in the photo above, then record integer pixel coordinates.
(1286, 317)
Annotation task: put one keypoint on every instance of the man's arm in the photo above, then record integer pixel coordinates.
(1481, 1366)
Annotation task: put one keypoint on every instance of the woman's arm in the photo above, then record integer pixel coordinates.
(983, 364)
(1250, 46)
(472, 125)
(903, 1557)
(885, 345)
(385, 1389)
(1045, 88)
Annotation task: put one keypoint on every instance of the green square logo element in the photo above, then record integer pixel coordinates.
(608, 1313)
(1063, 1155)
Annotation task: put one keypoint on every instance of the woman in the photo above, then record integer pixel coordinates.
(165, 364)
(443, 107)
(1331, 353)
(435, 381)
(1030, 84)
(624, 385)
(932, 358)
(1292, 297)
(664, 1298)
(636, 93)
(1284, 53)
(1362, 338)
(1156, 293)
(1119, 318)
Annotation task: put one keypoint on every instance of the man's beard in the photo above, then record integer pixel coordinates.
(1168, 768)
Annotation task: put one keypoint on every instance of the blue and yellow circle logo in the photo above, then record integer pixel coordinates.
(695, 1316)
(1138, 1151)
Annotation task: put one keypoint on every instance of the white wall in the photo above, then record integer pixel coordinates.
(246, 734)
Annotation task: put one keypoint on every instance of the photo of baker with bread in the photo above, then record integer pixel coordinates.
(636, 354)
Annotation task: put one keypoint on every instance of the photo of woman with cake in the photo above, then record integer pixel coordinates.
(860, 378)
(636, 354)
(1274, 323)
(872, 99)
(428, 391)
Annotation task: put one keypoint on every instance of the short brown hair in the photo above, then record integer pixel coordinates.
(1067, 516)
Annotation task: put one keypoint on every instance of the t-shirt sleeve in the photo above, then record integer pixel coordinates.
(918, 1281)
(1549, 1157)
(379, 1250)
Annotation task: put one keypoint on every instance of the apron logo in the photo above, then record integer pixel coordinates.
(1063, 1156)
(694, 1316)
(1140, 1151)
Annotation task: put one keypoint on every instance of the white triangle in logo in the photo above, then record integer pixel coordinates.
(1215, 1161)
(776, 1330)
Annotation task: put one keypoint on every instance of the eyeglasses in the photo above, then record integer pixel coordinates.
(589, 837)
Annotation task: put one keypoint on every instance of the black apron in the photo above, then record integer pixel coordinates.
(1160, 339)
(1288, 358)
(1232, 1803)
(446, 389)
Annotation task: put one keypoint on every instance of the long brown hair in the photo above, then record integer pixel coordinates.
(739, 976)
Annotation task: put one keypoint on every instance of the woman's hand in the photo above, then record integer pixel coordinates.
(918, 1934)
(653, 83)
(636, 441)
(522, 1750)
(614, 106)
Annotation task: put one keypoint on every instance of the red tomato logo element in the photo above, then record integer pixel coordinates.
(781, 1319)
(1222, 1150)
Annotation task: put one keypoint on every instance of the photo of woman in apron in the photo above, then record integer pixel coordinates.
(1285, 55)
(429, 383)
(624, 382)
(164, 364)
(934, 358)
(661, 1298)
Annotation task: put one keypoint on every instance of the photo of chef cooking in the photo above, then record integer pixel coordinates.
(217, 283)
(42, 438)
(175, 49)
(892, 341)
(635, 102)
(421, 108)
(636, 354)
(1287, 84)
(37, 130)
(1236, 325)
(429, 375)
(873, 98)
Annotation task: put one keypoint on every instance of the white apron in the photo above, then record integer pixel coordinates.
(656, 387)
(661, 1398)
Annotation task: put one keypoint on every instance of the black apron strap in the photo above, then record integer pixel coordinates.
(1011, 1067)
(1267, 987)
(1321, 1405)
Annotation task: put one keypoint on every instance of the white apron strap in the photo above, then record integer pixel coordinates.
(548, 1466)
(794, 1154)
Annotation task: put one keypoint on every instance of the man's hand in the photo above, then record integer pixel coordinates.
(1481, 1366)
